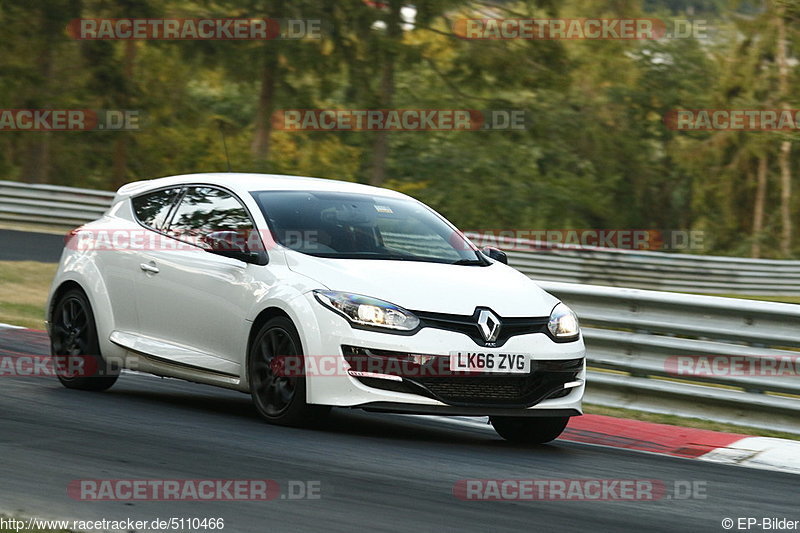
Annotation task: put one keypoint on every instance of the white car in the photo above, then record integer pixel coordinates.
(311, 293)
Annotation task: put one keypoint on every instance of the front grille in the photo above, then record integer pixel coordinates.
(545, 380)
(526, 390)
(493, 389)
(468, 325)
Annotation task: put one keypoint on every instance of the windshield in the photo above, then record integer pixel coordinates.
(361, 226)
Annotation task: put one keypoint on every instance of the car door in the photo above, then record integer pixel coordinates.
(130, 229)
(192, 301)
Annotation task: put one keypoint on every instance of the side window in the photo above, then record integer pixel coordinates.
(152, 208)
(206, 209)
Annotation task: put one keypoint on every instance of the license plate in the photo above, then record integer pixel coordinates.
(507, 363)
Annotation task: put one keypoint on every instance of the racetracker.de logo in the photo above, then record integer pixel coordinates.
(110, 239)
(733, 119)
(606, 490)
(733, 365)
(524, 239)
(398, 365)
(559, 28)
(46, 366)
(69, 120)
(398, 119)
(187, 29)
(174, 489)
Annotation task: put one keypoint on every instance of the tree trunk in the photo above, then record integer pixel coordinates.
(266, 105)
(36, 166)
(758, 207)
(270, 71)
(380, 150)
(394, 35)
(786, 198)
(119, 169)
(786, 145)
(37, 158)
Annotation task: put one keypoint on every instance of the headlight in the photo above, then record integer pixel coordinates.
(563, 323)
(365, 311)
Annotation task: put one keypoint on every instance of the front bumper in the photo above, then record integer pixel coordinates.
(509, 395)
(430, 376)
(449, 410)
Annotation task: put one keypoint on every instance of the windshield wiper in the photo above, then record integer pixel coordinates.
(468, 262)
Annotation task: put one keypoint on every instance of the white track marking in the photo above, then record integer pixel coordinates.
(766, 453)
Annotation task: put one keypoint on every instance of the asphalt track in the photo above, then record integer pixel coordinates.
(376, 472)
(30, 246)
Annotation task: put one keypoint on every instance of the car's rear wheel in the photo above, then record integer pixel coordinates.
(529, 430)
(277, 384)
(74, 345)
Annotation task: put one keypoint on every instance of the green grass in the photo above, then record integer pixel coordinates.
(37, 228)
(23, 292)
(781, 299)
(684, 421)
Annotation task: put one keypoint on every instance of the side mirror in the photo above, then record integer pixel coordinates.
(232, 244)
(496, 254)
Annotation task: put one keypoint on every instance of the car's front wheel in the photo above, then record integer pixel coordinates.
(74, 345)
(277, 384)
(529, 430)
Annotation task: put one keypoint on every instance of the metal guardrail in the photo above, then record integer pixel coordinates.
(67, 207)
(636, 339)
(631, 335)
(649, 270)
(53, 205)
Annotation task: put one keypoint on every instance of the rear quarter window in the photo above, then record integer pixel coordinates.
(152, 209)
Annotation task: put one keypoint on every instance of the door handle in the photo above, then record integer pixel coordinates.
(150, 269)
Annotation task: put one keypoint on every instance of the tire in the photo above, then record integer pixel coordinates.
(280, 398)
(74, 344)
(529, 430)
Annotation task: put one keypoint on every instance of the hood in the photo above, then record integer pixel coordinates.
(432, 287)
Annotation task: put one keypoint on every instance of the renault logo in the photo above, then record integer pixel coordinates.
(489, 325)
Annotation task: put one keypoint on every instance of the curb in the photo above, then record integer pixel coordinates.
(759, 452)
(705, 445)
